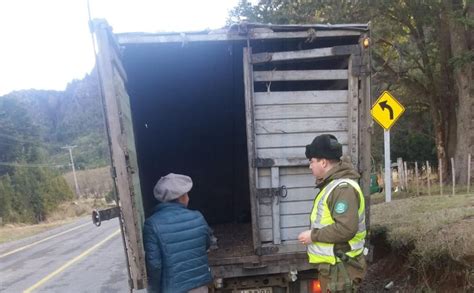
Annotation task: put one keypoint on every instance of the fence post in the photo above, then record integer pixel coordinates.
(428, 173)
(440, 167)
(468, 173)
(416, 176)
(454, 175)
(401, 180)
(405, 174)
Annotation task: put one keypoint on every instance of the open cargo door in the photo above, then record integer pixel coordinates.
(289, 101)
(116, 104)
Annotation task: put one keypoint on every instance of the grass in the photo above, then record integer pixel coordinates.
(434, 232)
(66, 213)
(12, 232)
(91, 182)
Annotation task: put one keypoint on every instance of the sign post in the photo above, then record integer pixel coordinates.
(386, 112)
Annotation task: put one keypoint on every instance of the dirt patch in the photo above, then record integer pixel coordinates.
(399, 270)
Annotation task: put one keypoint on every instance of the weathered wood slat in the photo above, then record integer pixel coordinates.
(296, 75)
(147, 38)
(292, 221)
(300, 111)
(293, 152)
(265, 210)
(266, 235)
(292, 233)
(282, 162)
(290, 181)
(294, 139)
(353, 114)
(300, 97)
(301, 125)
(265, 222)
(296, 207)
(287, 170)
(297, 194)
(303, 193)
(303, 54)
(275, 177)
(251, 149)
(112, 89)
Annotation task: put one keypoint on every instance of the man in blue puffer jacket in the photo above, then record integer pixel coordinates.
(176, 240)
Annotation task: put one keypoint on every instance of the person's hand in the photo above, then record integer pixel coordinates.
(305, 237)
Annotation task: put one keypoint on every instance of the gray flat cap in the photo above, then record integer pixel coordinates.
(172, 186)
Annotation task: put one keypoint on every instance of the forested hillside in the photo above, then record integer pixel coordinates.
(59, 118)
(34, 126)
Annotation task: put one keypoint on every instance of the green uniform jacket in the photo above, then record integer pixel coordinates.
(346, 223)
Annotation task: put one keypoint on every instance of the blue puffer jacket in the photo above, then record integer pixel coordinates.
(176, 241)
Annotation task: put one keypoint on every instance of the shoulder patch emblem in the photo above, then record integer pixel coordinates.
(341, 207)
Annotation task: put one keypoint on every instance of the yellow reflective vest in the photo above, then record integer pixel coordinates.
(319, 252)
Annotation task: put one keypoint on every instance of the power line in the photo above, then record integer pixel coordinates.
(32, 165)
(22, 140)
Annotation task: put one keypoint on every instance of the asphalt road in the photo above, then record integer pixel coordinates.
(77, 257)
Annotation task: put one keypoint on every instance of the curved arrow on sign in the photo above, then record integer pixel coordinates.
(384, 106)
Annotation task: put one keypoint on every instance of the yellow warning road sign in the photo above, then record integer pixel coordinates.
(386, 110)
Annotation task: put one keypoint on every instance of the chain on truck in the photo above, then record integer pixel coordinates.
(233, 109)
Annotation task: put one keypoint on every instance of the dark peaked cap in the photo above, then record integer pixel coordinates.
(324, 146)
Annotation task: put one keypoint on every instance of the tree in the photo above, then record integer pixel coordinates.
(460, 24)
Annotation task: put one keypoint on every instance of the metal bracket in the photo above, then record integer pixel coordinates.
(281, 191)
(104, 215)
(263, 163)
(266, 250)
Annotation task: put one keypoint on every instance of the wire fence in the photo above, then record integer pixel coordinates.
(427, 178)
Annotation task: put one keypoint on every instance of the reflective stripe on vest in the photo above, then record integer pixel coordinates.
(319, 252)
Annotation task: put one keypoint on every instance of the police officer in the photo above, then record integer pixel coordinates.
(335, 243)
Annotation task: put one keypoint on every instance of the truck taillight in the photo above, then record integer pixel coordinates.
(315, 286)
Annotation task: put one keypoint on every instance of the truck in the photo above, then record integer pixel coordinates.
(233, 109)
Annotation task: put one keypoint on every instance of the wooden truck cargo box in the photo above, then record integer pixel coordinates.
(233, 109)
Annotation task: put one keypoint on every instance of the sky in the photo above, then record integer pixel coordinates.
(46, 43)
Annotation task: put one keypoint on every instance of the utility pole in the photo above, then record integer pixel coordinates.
(73, 169)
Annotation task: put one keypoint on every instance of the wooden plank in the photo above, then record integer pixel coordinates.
(250, 129)
(283, 162)
(294, 139)
(128, 141)
(296, 207)
(276, 206)
(291, 247)
(303, 54)
(123, 183)
(290, 181)
(304, 34)
(292, 233)
(327, 125)
(287, 170)
(365, 128)
(298, 75)
(301, 193)
(266, 235)
(265, 210)
(300, 97)
(265, 222)
(150, 38)
(291, 55)
(353, 114)
(300, 111)
(292, 221)
(292, 152)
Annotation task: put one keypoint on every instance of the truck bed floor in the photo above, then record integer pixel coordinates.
(233, 240)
